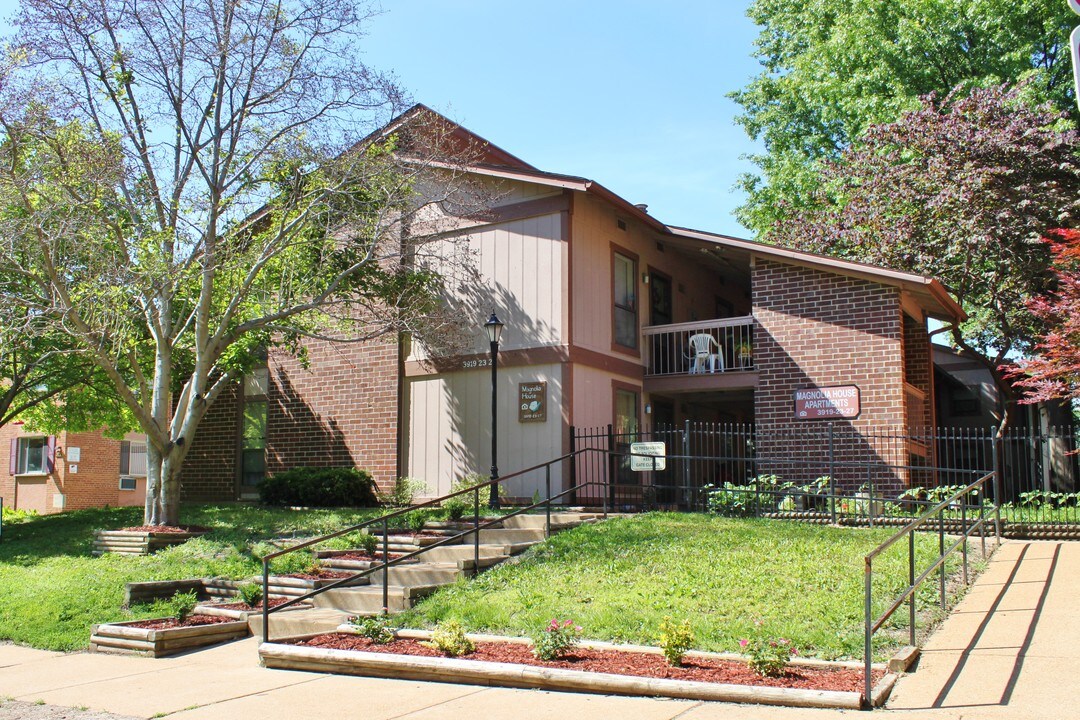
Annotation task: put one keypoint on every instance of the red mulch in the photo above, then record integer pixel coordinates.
(618, 662)
(319, 575)
(166, 528)
(192, 621)
(274, 602)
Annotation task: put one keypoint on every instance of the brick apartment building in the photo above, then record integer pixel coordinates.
(611, 316)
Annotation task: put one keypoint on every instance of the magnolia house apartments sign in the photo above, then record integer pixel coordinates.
(827, 403)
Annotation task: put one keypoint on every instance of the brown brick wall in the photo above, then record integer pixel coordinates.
(819, 329)
(96, 483)
(209, 471)
(341, 410)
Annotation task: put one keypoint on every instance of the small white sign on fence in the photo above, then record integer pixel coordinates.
(656, 453)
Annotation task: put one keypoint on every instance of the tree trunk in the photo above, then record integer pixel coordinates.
(152, 507)
(170, 489)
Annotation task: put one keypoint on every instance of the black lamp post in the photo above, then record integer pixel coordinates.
(494, 330)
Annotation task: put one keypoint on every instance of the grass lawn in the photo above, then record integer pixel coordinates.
(620, 578)
(52, 590)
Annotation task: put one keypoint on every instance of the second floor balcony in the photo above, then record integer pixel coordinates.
(701, 355)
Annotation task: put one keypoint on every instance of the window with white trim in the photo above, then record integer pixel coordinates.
(32, 454)
(132, 459)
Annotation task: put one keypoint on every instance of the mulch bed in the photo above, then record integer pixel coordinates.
(192, 621)
(274, 602)
(166, 529)
(319, 575)
(618, 662)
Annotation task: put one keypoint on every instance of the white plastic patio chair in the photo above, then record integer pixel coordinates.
(701, 352)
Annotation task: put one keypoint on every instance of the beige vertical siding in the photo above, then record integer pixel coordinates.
(522, 277)
(450, 425)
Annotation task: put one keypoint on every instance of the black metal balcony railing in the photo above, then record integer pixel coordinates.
(708, 346)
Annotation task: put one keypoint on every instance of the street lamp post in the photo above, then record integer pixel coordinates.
(494, 330)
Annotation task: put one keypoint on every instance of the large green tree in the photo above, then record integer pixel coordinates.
(832, 68)
(962, 188)
(187, 190)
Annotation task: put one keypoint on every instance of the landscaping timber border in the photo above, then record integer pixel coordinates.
(473, 672)
(134, 542)
(122, 638)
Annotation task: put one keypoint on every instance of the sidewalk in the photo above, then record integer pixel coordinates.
(1008, 651)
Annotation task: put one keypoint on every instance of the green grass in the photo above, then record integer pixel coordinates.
(52, 590)
(619, 579)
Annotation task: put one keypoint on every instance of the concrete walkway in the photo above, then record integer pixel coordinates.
(1010, 651)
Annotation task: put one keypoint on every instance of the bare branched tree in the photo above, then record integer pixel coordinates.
(188, 182)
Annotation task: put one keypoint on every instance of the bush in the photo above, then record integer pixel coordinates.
(767, 656)
(374, 629)
(462, 505)
(449, 638)
(403, 492)
(319, 487)
(732, 500)
(11, 515)
(675, 640)
(182, 605)
(556, 639)
(251, 594)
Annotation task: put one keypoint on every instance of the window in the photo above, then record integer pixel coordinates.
(964, 401)
(253, 428)
(33, 456)
(624, 285)
(132, 459)
(128, 483)
(627, 426)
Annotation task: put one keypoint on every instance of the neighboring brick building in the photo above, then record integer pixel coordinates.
(70, 471)
(612, 317)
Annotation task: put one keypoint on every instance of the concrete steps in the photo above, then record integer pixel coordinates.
(299, 622)
(411, 581)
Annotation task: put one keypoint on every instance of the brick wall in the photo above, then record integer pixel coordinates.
(819, 329)
(342, 410)
(209, 471)
(96, 483)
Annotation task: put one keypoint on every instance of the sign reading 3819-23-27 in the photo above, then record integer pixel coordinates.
(825, 403)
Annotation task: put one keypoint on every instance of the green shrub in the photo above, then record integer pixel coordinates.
(403, 492)
(767, 656)
(556, 639)
(251, 594)
(319, 487)
(11, 515)
(357, 540)
(182, 605)
(732, 500)
(449, 638)
(462, 505)
(374, 629)
(675, 640)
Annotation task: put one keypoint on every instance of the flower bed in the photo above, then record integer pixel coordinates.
(589, 667)
(160, 637)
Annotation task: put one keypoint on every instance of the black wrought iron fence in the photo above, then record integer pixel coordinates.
(1039, 474)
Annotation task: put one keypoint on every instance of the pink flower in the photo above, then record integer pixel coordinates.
(577, 628)
(744, 642)
(568, 623)
(794, 651)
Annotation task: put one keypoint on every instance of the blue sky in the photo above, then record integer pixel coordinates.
(630, 94)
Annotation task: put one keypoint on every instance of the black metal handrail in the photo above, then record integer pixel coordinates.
(384, 520)
(872, 625)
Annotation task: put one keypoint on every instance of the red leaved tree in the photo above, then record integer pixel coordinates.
(1054, 372)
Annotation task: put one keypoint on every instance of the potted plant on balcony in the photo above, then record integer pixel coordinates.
(745, 352)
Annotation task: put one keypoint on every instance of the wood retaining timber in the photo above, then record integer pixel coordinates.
(131, 542)
(474, 672)
(122, 638)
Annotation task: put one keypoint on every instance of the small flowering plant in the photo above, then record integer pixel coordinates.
(556, 639)
(768, 656)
